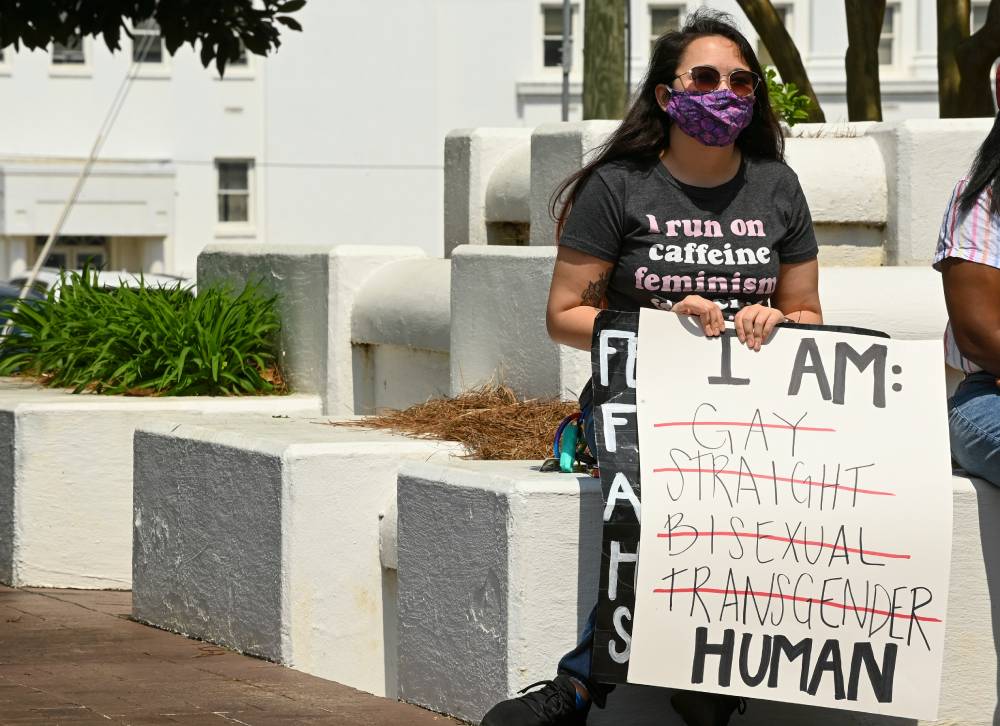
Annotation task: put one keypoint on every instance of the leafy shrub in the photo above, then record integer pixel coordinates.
(790, 105)
(147, 340)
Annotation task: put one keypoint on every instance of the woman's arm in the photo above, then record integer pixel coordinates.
(796, 298)
(972, 295)
(579, 282)
(797, 294)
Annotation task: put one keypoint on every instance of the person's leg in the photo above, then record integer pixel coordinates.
(563, 701)
(974, 426)
(576, 663)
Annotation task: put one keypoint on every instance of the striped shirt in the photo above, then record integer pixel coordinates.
(972, 235)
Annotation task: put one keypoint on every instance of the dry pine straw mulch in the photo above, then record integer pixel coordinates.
(490, 421)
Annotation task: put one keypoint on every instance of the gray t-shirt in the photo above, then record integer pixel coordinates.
(669, 240)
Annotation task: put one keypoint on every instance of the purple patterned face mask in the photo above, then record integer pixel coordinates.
(715, 118)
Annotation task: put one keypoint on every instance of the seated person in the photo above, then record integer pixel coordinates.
(968, 257)
(646, 223)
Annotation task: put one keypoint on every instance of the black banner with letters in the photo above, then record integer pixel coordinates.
(613, 357)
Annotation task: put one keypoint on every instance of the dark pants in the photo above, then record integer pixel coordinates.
(576, 663)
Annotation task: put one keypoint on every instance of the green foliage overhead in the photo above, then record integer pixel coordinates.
(791, 106)
(145, 341)
(217, 26)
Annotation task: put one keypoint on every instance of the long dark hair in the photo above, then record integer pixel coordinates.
(645, 130)
(985, 173)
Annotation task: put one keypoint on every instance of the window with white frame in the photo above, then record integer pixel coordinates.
(234, 189)
(663, 19)
(552, 29)
(979, 11)
(147, 42)
(69, 53)
(784, 11)
(887, 42)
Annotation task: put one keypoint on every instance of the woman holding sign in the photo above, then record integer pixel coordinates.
(968, 256)
(689, 207)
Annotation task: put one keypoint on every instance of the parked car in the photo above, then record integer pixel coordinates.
(51, 277)
(8, 296)
(9, 292)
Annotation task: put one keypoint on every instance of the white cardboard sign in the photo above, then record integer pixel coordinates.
(796, 517)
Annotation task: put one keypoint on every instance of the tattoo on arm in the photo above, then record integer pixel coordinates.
(594, 293)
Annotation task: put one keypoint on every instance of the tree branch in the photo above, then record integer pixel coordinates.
(974, 57)
(772, 31)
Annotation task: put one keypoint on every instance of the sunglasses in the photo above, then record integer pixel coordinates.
(706, 79)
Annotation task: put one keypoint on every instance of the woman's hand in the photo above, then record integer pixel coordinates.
(706, 310)
(754, 324)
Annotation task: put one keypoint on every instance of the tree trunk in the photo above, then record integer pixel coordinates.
(772, 31)
(952, 30)
(604, 91)
(864, 26)
(975, 56)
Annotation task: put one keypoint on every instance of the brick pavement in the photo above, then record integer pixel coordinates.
(74, 657)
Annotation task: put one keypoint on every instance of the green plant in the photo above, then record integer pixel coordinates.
(790, 105)
(162, 341)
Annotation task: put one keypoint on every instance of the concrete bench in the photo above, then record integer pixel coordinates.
(380, 341)
(263, 536)
(66, 477)
(498, 298)
(498, 569)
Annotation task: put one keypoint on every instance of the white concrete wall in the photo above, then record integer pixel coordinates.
(263, 536)
(877, 191)
(371, 328)
(498, 298)
(924, 161)
(484, 606)
(475, 628)
(498, 316)
(317, 288)
(66, 463)
(905, 302)
(400, 328)
(473, 158)
(557, 150)
(397, 377)
(135, 199)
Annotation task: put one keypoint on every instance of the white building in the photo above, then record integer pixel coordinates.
(339, 137)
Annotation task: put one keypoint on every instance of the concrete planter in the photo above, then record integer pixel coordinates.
(489, 603)
(66, 477)
(264, 536)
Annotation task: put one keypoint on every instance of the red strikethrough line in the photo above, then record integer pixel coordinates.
(748, 424)
(773, 478)
(842, 606)
(812, 543)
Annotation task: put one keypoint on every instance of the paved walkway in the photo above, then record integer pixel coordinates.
(73, 657)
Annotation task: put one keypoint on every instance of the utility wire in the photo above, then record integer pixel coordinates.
(102, 134)
(361, 166)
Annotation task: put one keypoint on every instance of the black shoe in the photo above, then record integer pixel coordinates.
(706, 709)
(554, 704)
